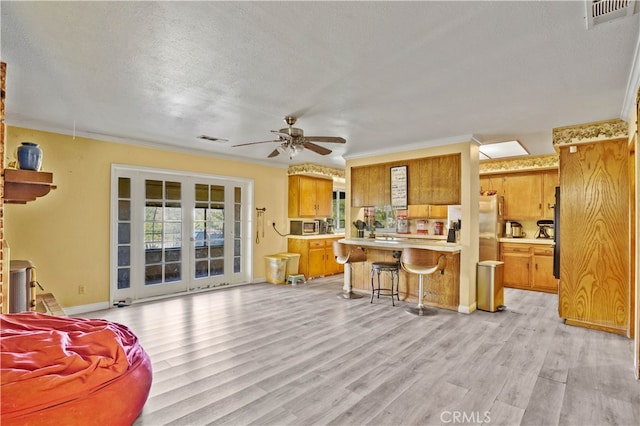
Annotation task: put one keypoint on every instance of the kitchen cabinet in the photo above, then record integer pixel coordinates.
(595, 285)
(370, 186)
(527, 195)
(316, 256)
(430, 180)
(427, 211)
(528, 266)
(542, 273)
(309, 196)
(435, 180)
(517, 262)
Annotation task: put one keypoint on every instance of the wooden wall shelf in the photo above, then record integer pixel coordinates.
(22, 186)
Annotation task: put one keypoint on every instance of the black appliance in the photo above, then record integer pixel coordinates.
(556, 235)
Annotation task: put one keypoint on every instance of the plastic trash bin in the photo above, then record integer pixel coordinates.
(275, 267)
(293, 263)
(490, 287)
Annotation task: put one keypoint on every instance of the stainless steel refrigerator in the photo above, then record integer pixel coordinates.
(491, 222)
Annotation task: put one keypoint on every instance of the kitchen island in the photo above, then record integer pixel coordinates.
(441, 290)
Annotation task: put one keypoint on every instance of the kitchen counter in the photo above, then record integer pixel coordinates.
(443, 289)
(527, 240)
(400, 243)
(316, 236)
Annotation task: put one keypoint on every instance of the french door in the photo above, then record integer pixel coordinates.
(174, 233)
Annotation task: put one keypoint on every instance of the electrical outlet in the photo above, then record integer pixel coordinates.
(82, 289)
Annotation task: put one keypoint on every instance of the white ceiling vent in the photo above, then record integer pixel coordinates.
(601, 11)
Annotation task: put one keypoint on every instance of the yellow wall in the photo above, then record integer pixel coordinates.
(66, 233)
(470, 187)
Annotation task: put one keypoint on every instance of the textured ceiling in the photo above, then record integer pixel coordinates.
(384, 75)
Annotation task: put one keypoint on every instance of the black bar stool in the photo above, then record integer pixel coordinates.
(422, 262)
(393, 268)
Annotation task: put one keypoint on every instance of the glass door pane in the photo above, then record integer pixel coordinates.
(208, 230)
(163, 251)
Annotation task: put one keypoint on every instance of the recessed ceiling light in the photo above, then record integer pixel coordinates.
(503, 149)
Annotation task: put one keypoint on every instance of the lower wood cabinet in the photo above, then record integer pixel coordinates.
(316, 256)
(528, 266)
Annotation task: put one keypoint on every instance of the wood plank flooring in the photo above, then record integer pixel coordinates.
(280, 355)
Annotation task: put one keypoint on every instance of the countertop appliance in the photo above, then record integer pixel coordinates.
(545, 229)
(516, 230)
(304, 227)
(491, 223)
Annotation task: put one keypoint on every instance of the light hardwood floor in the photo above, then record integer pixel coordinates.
(281, 355)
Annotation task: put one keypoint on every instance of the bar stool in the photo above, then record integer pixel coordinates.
(348, 255)
(394, 274)
(422, 262)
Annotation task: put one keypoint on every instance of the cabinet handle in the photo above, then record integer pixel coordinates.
(551, 206)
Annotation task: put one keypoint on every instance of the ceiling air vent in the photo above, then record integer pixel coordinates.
(601, 11)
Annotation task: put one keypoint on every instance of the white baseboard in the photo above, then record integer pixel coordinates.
(82, 309)
(467, 309)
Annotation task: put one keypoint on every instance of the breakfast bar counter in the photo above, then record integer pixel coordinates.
(441, 289)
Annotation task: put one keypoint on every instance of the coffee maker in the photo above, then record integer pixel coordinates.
(330, 227)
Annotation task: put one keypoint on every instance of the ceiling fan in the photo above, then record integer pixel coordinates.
(292, 141)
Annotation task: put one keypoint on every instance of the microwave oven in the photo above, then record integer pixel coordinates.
(305, 227)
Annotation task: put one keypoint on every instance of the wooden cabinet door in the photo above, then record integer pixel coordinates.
(549, 183)
(324, 196)
(438, 212)
(316, 258)
(516, 270)
(435, 180)
(595, 287)
(308, 200)
(370, 186)
(523, 197)
(331, 266)
(542, 274)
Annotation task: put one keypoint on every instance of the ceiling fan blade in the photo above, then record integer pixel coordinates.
(274, 153)
(253, 143)
(332, 139)
(316, 148)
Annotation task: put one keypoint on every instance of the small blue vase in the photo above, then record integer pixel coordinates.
(29, 156)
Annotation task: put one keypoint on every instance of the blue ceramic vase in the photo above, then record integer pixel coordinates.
(29, 156)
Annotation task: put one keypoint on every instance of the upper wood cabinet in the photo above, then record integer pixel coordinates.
(492, 183)
(370, 185)
(427, 212)
(527, 195)
(430, 180)
(310, 196)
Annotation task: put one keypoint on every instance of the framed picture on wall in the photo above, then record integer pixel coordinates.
(399, 187)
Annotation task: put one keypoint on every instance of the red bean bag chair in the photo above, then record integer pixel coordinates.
(70, 371)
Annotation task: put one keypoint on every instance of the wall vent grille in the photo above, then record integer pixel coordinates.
(601, 11)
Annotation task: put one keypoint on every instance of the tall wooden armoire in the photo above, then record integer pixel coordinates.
(595, 288)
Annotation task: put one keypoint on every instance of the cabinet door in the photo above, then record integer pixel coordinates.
(549, 183)
(316, 258)
(523, 197)
(516, 270)
(435, 180)
(308, 200)
(324, 195)
(438, 212)
(543, 278)
(359, 186)
(331, 266)
(370, 186)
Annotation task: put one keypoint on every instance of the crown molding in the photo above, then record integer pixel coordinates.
(539, 162)
(590, 132)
